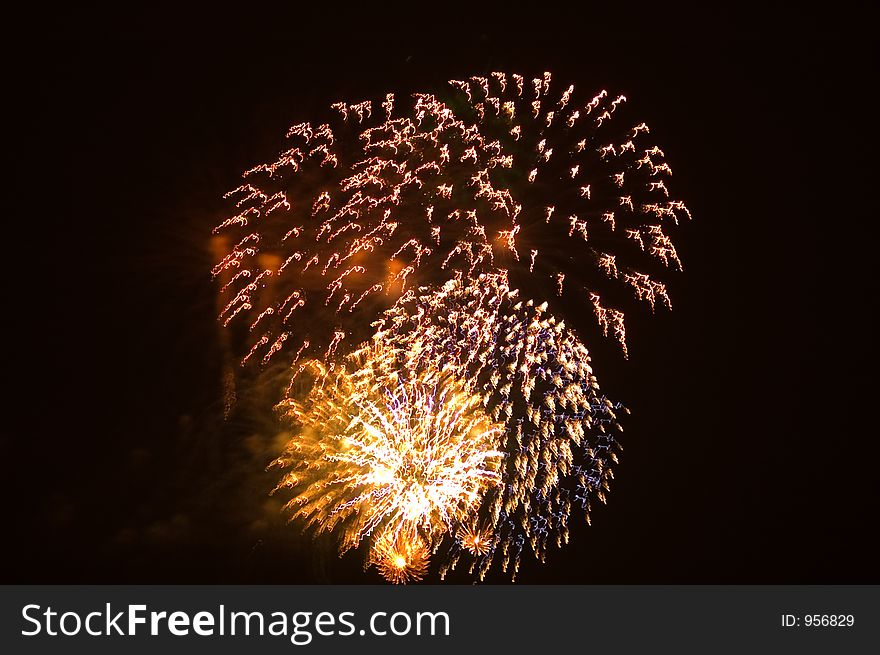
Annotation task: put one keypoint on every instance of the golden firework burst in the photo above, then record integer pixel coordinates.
(400, 558)
(383, 450)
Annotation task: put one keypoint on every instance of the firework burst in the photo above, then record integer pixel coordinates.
(500, 173)
(476, 540)
(393, 455)
(535, 379)
(400, 558)
(388, 254)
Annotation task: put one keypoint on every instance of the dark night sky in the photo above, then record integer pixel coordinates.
(747, 458)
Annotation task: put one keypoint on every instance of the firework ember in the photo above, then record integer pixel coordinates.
(412, 259)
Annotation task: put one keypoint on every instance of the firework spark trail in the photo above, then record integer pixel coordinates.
(431, 214)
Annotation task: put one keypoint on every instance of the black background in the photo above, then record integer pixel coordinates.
(747, 459)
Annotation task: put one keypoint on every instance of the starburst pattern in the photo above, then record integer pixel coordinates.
(400, 559)
(388, 453)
